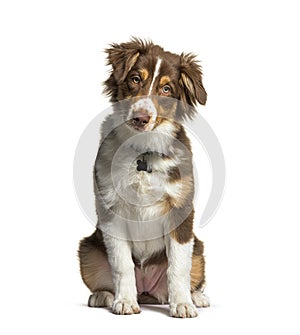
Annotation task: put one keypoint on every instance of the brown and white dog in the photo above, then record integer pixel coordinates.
(144, 249)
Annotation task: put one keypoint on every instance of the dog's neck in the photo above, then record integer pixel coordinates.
(144, 162)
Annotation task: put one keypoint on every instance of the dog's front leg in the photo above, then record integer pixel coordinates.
(122, 266)
(180, 262)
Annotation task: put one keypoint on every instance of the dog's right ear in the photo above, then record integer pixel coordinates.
(122, 58)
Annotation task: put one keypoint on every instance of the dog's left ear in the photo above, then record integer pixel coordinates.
(191, 81)
(122, 58)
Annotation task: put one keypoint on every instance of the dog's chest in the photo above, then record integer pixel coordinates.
(148, 175)
(143, 250)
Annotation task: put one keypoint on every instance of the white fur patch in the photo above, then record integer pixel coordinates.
(156, 73)
(180, 262)
(200, 299)
(142, 250)
(120, 260)
(145, 104)
(158, 140)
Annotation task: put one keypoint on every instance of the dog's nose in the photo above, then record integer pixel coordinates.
(140, 118)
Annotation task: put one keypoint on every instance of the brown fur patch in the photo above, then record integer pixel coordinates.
(182, 137)
(159, 257)
(186, 187)
(167, 112)
(166, 205)
(158, 121)
(94, 266)
(144, 74)
(164, 80)
(188, 83)
(174, 174)
(184, 232)
(198, 265)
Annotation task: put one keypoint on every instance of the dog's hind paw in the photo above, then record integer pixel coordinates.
(101, 299)
(200, 299)
(183, 310)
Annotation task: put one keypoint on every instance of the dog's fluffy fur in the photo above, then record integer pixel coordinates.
(144, 249)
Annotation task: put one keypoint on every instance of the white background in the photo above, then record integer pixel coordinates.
(52, 66)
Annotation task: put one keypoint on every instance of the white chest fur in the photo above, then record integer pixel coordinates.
(137, 200)
(142, 250)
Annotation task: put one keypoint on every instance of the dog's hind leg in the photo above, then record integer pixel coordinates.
(95, 270)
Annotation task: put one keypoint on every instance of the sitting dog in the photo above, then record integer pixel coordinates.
(144, 249)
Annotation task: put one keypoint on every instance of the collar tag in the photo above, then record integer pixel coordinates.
(142, 165)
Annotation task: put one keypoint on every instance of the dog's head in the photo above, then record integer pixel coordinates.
(145, 75)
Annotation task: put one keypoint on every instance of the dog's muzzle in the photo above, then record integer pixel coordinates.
(143, 114)
(141, 118)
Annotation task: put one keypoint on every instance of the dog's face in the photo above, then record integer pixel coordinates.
(146, 76)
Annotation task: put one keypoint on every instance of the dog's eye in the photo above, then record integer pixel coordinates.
(166, 89)
(136, 79)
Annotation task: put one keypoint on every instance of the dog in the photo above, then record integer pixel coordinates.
(144, 249)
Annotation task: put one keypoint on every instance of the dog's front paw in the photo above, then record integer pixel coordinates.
(125, 307)
(183, 310)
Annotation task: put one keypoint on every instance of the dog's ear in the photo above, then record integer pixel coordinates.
(122, 58)
(191, 81)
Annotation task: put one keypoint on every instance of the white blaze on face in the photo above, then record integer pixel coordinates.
(146, 103)
(156, 73)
